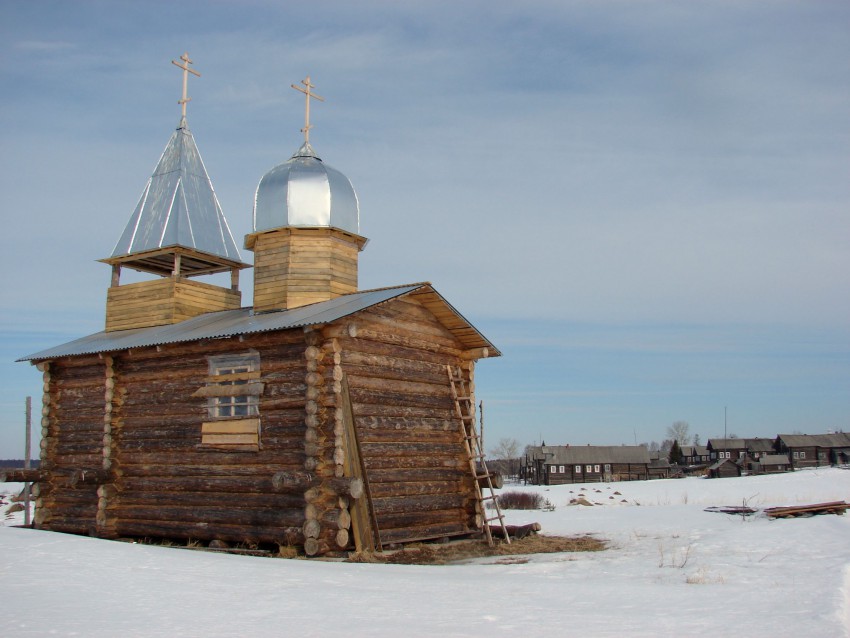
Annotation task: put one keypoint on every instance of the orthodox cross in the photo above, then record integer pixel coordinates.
(307, 95)
(186, 72)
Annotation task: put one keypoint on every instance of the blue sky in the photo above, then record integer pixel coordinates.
(643, 204)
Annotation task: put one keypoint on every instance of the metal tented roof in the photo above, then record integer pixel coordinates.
(178, 208)
(230, 323)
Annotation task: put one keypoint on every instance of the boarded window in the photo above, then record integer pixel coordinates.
(233, 392)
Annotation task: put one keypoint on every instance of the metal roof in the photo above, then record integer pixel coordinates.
(178, 207)
(753, 445)
(837, 439)
(568, 454)
(230, 323)
(306, 192)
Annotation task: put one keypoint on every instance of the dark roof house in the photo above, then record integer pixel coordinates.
(556, 464)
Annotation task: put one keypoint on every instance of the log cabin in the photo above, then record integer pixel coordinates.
(559, 464)
(321, 416)
(814, 450)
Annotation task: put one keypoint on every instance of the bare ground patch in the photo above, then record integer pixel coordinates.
(446, 553)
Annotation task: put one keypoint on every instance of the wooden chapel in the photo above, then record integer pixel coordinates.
(321, 416)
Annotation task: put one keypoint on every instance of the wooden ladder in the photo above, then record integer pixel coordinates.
(465, 408)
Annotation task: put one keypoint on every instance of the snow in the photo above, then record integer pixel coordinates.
(671, 568)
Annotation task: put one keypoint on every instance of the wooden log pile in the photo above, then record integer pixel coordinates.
(834, 507)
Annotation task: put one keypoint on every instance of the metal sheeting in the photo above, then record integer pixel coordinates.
(579, 454)
(230, 323)
(178, 206)
(306, 192)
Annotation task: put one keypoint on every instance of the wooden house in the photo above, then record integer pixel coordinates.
(695, 455)
(559, 464)
(771, 464)
(737, 448)
(724, 468)
(814, 450)
(321, 416)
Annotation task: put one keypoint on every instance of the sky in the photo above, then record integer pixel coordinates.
(644, 205)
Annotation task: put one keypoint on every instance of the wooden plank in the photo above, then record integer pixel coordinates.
(364, 524)
(235, 426)
(230, 439)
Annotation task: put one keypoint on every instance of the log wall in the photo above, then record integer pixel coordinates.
(410, 438)
(358, 440)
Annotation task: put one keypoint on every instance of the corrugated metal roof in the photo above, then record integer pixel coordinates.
(178, 206)
(230, 323)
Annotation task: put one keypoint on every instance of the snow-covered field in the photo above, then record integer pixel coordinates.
(671, 569)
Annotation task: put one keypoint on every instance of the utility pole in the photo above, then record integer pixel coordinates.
(27, 452)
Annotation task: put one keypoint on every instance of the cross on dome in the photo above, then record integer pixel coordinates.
(186, 71)
(307, 95)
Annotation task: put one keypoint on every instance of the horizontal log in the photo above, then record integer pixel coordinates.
(403, 321)
(77, 511)
(80, 478)
(221, 486)
(303, 481)
(392, 337)
(366, 408)
(211, 515)
(399, 398)
(64, 462)
(22, 475)
(132, 496)
(423, 533)
(398, 520)
(204, 532)
(421, 503)
(381, 366)
(438, 451)
(415, 475)
(381, 490)
(496, 480)
(370, 346)
(64, 494)
(70, 524)
(416, 463)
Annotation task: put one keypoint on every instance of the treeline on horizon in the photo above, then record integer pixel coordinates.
(17, 463)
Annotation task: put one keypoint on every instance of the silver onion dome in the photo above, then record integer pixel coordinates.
(306, 192)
